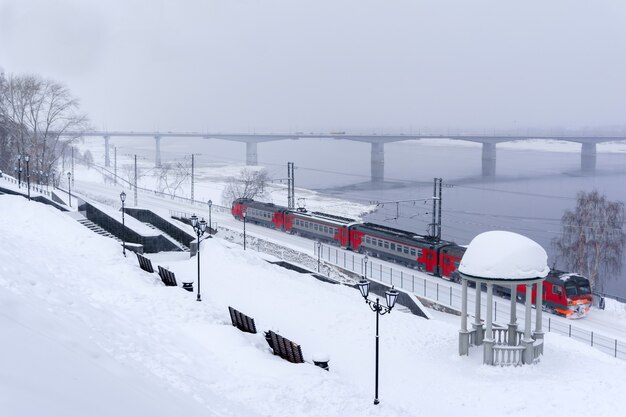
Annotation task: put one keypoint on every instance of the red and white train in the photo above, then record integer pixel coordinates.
(564, 293)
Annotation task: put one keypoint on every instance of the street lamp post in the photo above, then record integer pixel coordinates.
(199, 227)
(210, 224)
(365, 259)
(318, 244)
(69, 186)
(244, 230)
(19, 171)
(380, 310)
(123, 198)
(27, 158)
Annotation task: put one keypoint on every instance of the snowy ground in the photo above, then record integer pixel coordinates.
(86, 332)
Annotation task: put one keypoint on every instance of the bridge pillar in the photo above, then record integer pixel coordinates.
(588, 157)
(378, 162)
(157, 153)
(251, 153)
(489, 159)
(107, 158)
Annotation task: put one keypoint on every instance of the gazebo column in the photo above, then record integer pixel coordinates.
(464, 333)
(478, 324)
(513, 323)
(527, 341)
(538, 307)
(489, 341)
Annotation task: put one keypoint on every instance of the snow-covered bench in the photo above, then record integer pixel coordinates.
(168, 277)
(284, 347)
(145, 263)
(241, 321)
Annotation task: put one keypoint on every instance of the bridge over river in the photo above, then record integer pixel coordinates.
(377, 142)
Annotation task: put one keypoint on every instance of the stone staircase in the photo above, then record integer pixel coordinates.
(183, 247)
(91, 225)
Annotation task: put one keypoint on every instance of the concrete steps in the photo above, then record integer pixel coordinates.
(91, 225)
(170, 238)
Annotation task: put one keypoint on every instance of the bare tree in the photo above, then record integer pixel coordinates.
(36, 114)
(171, 177)
(593, 239)
(249, 184)
(128, 174)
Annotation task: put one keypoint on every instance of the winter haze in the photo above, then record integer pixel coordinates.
(358, 65)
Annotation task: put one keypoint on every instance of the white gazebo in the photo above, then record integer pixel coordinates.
(505, 259)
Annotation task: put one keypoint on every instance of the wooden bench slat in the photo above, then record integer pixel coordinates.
(233, 319)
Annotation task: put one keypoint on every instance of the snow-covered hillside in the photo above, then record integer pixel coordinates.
(85, 332)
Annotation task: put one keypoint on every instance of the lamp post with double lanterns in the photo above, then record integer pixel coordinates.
(380, 310)
(199, 227)
(69, 186)
(27, 158)
(123, 198)
(244, 230)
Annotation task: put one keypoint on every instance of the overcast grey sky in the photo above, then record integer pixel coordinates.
(358, 65)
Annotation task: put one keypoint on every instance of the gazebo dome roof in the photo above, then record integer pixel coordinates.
(501, 255)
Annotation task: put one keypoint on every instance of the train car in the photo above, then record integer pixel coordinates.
(395, 245)
(566, 293)
(448, 259)
(320, 226)
(265, 214)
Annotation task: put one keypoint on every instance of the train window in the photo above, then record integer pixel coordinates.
(419, 253)
(392, 246)
(399, 248)
(413, 252)
(386, 244)
(315, 226)
(557, 290)
(405, 249)
(380, 243)
(570, 289)
(325, 229)
(368, 240)
(584, 289)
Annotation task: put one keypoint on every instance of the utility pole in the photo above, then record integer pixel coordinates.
(73, 176)
(115, 164)
(440, 201)
(135, 180)
(291, 203)
(436, 224)
(192, 169)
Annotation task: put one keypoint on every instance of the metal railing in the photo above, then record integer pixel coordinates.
(449, 295)
(37, 188)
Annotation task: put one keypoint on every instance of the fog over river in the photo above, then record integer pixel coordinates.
(534, 184)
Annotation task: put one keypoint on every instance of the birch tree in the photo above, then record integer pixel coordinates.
(592, 238)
